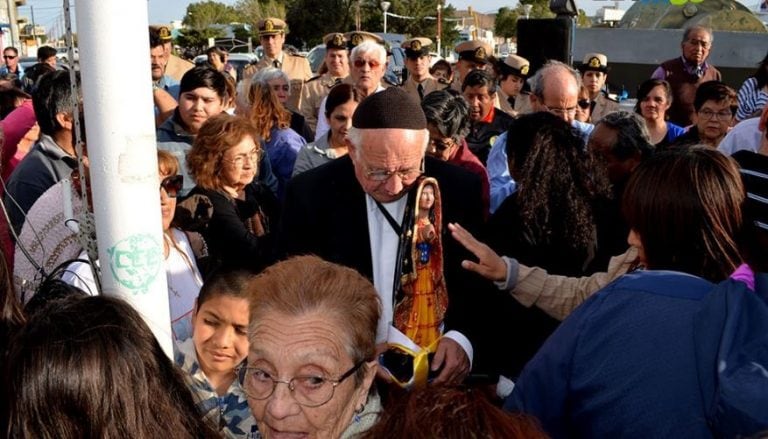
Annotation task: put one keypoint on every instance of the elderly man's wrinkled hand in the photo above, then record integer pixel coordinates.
(451, 360)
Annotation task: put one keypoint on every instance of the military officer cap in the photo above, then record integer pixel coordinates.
(164, 33)
(474, 50)
(355, 38)
(416, 47)
(272, 26)
(335, 40)
(595, 62)
(514, 65)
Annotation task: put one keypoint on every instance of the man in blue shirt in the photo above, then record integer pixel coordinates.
(11, 58)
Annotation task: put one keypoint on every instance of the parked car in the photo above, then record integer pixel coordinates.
(239, 60)
(62, 54)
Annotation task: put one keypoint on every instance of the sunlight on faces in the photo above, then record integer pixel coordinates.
(281, 89)
(479, 100)
(696, 48)
(367, 71)
(272, 44)
(340, 120)
(512, 85)
(463, 67)
(337, 61)
(593, 81)
(561, 96)
(388, 150)
(220, 333)
(713, 120)
(239, 164)
(167, 204)
(418, 67)
(655, 105)
(197, 106)
(311, 344)
(157, 62)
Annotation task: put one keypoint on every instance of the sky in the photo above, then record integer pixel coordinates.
(48, 13)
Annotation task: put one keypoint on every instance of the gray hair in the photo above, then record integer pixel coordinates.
(695, 27)
(355, 137)
(267, 74)
(447, 111)
(369, 48)
(632, 135)
(550, 68)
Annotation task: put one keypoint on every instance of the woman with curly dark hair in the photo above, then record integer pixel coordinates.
(550, 222)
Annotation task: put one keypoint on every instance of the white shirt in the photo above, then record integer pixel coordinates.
(384, 243)
(322, 121)
(745, 135)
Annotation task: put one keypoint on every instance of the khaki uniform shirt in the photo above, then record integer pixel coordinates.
(522, 104)
(603, 106)
(177, 67)
(312, 96)
(429, 85)
(295, 66)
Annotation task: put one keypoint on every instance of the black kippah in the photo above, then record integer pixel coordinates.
(391, 108)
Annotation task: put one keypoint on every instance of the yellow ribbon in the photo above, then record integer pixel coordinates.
(420, 364)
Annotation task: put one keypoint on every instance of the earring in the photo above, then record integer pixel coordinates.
(358, 411)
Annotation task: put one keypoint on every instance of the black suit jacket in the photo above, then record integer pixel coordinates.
(325, 214)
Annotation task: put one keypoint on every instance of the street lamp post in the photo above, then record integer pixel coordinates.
(527, 10)
(439, 27)
(385, 6)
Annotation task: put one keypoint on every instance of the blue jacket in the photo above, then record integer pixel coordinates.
(623, 364)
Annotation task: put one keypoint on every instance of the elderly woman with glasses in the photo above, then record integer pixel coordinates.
(311, 359)
(448, 122)
(236, 208)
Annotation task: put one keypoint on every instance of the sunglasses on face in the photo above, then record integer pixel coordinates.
(172, 185)
(9, 56)
(359, 63)
(584, 103)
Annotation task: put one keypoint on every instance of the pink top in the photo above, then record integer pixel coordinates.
(15, 126)
(745, 274)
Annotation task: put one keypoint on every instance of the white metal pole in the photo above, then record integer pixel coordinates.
(117, 97)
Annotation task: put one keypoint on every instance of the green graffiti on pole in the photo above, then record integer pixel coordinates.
(135, 262)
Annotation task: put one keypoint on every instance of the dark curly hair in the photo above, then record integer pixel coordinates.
(558, 181)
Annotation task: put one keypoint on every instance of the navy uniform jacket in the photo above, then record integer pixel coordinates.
(325, 214)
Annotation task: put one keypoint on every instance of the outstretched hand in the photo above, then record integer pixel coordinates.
(489, 264)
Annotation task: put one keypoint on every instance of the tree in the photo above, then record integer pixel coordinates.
(582, 20)
(198, 39)
(506, 22)
(202, 15)
(312, 19)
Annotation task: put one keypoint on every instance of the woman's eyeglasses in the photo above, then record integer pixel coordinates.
(172, 185)
(253, 156)
(584, 104)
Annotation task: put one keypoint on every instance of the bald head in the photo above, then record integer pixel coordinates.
(555, 89)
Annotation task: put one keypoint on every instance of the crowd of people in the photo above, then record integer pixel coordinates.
(483, 251)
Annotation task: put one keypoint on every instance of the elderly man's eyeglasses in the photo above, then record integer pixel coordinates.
(360, 63)
(382, 175)
(570, 112)
(719, 115)
(172, 185)
(307, 390)
(253, 156)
